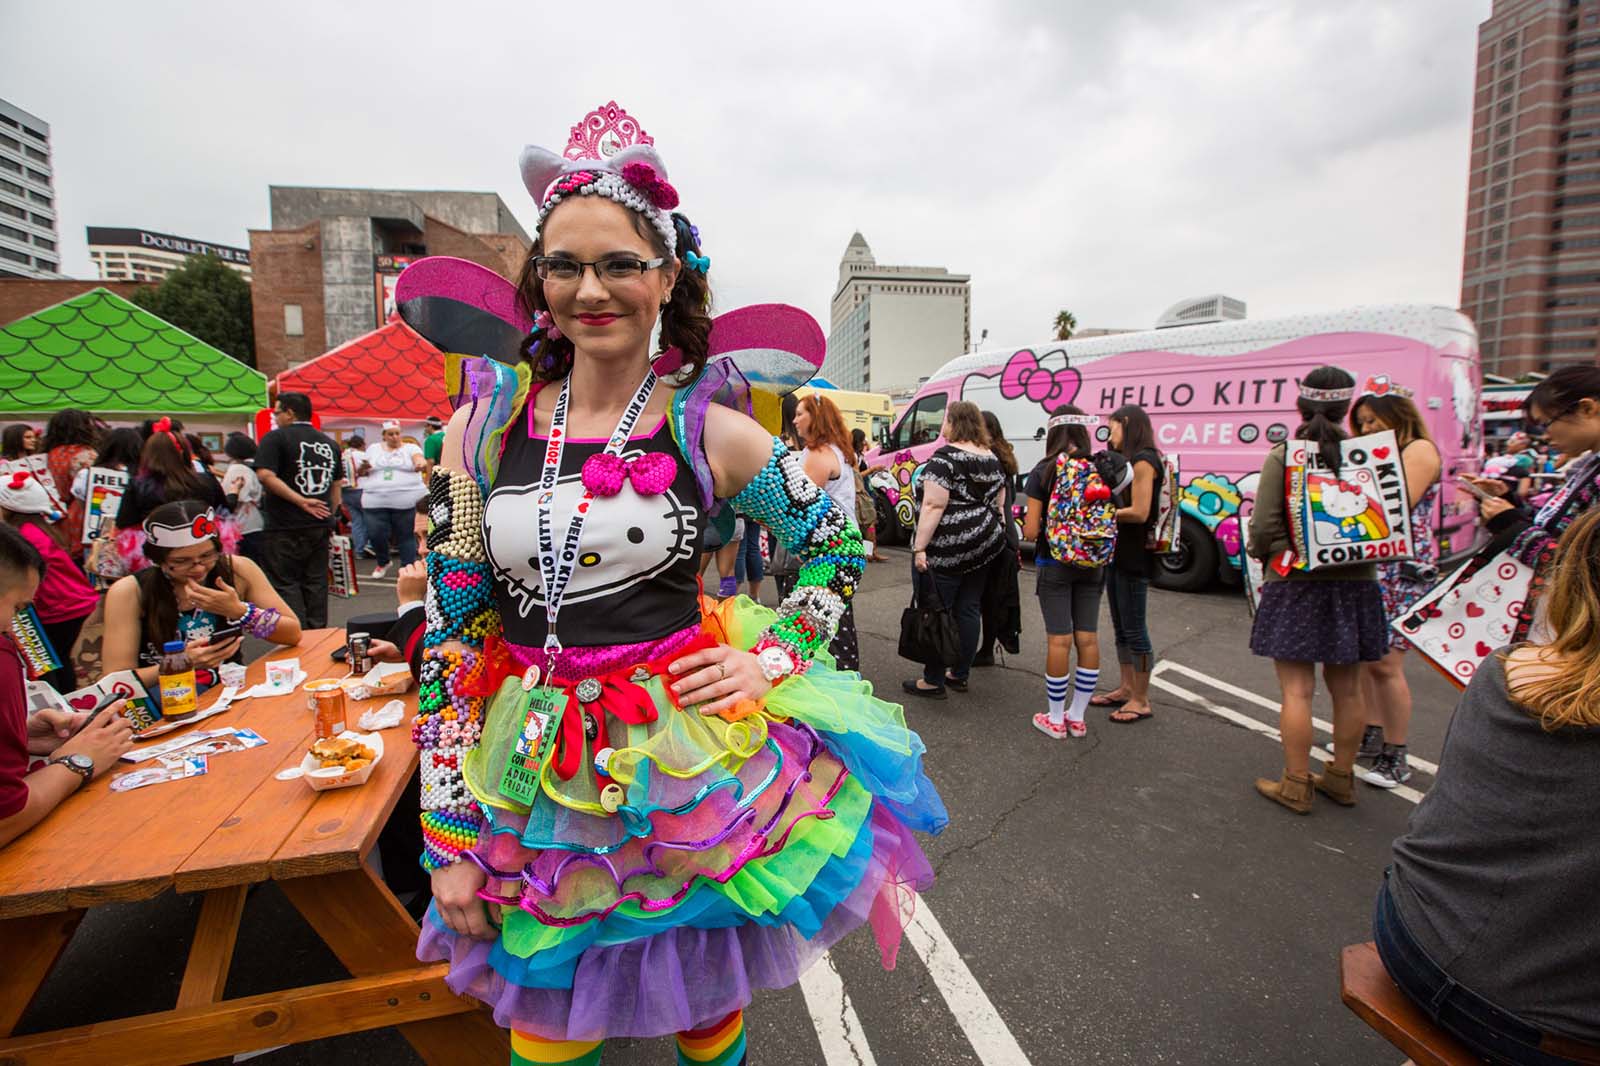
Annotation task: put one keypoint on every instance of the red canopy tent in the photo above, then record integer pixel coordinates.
(390, 373)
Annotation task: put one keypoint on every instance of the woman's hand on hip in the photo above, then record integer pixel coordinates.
(455, 897)
(718, 677)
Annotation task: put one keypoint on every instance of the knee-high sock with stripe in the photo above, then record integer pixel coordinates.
(530, 1050)
(718, 1044)
(1055, 690)
(1083, 683)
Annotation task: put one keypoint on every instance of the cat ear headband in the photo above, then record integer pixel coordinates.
(1381, 385)
(608, 154)
(198, 531)
(1073, 420)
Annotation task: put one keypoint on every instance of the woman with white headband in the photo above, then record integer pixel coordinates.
(1332, 615)
(389, 495)
(667, 802)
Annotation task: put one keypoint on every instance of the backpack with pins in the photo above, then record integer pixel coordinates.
(1081, 517)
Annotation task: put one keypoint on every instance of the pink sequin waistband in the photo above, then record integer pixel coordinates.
(571, 665)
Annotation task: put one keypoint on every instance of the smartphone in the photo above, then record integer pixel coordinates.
(225, 634)
(1462, 480)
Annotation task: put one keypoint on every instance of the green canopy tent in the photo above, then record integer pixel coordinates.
(99, 352)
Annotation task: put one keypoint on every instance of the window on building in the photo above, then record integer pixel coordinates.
(45, 243)
(1501, 171)
(14, 233)
(36, 155)
(1508, 43)
(1496, 213)
(1503, 130)
(11, 187)
(43, 220)
(45, 264)
(11, 143)
(11, 165)
(14, 256)
(40, 198)
(1497, 193)
(1497, 233)
(8, 122)
(14, 212)
(293, 321)
(1501, 151)
(39, 176)
(1572, 344)
(1493, 255)
(35, 134)
(1574, 322)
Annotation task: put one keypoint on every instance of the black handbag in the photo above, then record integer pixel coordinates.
(928, 631)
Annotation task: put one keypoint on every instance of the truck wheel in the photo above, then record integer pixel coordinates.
(1193, 567)
(889, 530)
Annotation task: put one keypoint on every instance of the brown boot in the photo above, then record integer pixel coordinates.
(1337, 785)
(1291, 790)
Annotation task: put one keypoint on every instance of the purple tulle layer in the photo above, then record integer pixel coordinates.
(685, 977)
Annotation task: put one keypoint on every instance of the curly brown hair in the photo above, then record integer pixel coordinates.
(685, 321)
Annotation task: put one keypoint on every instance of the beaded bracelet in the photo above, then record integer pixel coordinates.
(448, 725)
(446, 834)
(257, 621)
(833, 557)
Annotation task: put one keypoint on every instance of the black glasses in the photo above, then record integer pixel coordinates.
(1534, 428)
(612, 268)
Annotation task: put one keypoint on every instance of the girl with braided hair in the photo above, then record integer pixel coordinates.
(639, 804)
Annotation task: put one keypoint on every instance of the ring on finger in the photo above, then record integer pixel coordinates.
(722, 671)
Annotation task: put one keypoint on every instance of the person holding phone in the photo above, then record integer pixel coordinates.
(193, 591)
(74, 747)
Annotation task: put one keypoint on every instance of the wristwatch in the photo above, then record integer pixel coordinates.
(81, 765)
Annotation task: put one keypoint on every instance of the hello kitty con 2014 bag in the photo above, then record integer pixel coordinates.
(1357, 514)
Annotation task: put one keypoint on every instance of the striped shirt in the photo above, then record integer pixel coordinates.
(970, 533)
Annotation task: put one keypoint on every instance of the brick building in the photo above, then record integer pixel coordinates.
(1531, 274)
(324, 271)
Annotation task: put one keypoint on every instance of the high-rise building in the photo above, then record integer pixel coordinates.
(27, 197)
(144, 255)
(1531, 274)
(324, 274)
(894, 325)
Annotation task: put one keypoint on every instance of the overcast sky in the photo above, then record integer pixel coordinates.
(1109, 158)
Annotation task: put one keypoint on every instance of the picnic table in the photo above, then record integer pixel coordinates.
(219, 833)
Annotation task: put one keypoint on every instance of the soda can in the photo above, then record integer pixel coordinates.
(327, 704)
(358, 653)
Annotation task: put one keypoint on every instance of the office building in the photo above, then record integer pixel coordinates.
(894, 325)
(324, 274)
(1531, 273)
(144, 255)
(28, 241)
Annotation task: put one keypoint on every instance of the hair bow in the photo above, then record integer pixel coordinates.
(162, 425)
(651, 473)
(697, 263)
(19, 478)
(205, 525)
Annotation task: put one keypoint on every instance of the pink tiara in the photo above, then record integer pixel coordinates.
(604, 132)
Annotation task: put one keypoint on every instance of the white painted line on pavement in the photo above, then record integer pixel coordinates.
(986, 1030)
(1245, 694)
(1405, 792)
(844, 1042)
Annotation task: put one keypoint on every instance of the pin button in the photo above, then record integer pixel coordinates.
(588, 690)
(611, 798)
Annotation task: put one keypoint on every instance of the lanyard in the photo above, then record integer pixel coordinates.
(555, 571)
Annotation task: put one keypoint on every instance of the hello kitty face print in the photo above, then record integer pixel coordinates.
(629, 539)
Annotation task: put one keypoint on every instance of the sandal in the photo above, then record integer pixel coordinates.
(1129, 717)
(1106, 699)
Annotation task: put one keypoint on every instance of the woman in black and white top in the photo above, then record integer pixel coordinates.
(959, 533)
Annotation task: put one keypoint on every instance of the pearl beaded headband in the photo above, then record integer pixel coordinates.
(608, 154)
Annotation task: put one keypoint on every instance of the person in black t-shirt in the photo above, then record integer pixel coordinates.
(300, 469)
(1128, 576)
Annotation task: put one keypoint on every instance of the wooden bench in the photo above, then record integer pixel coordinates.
(1366, 988)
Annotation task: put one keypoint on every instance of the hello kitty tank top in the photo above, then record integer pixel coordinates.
(636, 575)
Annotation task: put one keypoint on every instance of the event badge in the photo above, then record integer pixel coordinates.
(542, 705)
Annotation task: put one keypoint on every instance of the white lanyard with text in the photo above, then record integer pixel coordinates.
(556, 571)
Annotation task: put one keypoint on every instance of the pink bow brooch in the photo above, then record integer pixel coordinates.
(651, 473)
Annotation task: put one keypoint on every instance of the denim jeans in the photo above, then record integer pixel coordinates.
(358, 520)
(1498, 1035)
(1128, 593)
(399, 523)
(963, 594)
(747, 562)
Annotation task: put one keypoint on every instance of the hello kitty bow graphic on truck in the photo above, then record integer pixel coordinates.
(1356, 514)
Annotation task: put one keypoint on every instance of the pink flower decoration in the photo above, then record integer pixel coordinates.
(651, 473)
(643, 176)
(547, 325)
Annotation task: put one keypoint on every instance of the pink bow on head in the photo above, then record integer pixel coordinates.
(651, 473)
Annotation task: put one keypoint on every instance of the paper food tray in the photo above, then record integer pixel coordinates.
(385, 679)
(321, 780)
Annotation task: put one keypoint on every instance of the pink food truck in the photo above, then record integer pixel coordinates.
(1219, 395)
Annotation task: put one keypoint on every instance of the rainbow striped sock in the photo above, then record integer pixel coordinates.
(718, 1044)
(527, 1049)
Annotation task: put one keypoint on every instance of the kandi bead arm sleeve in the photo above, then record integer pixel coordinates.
(806, 522)
(460, 613)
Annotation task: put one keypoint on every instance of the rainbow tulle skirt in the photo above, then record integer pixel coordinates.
(740, 852)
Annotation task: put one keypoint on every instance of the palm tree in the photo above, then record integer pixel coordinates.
(1066, 325)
